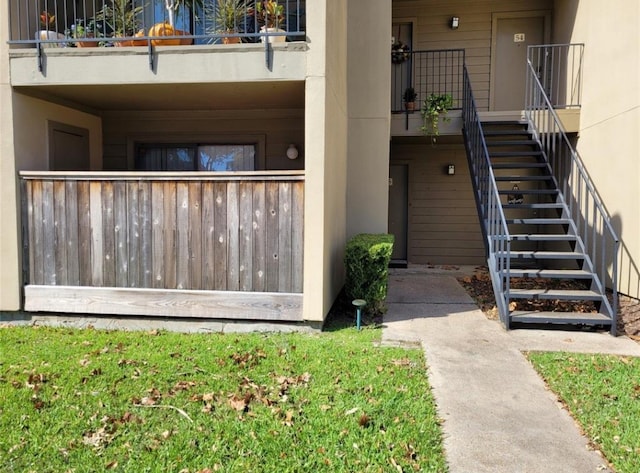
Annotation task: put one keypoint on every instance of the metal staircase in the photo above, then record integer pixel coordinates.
(546, 231)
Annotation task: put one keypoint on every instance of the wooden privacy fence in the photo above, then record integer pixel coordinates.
(186, 231)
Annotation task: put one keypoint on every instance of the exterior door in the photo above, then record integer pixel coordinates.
(398, 209)
(68, 147)
(511, 36)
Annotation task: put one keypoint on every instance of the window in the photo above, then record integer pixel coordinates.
(195, 157)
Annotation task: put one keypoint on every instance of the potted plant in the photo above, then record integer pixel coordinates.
(78, 31)
(227, 17)
(123, 20)
(434, 106)
(409, 98)
(270, 15)
(48, 30)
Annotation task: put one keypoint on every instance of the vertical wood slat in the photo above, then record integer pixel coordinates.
(233, 250)
(183, 281)
(259, 225)
(210, 235)
(36, 236)
(195, 234)
(220, 241)
(157, 234)
(245, 236)
(120, 233)
(284, 237)
(72, 237)
(297, 236)
(169, 200)
(95, 205)
(48, 234)
(27, 229)
(146, 262)
(108, 236)
(133, 235)
(272, 240)
(84, 233)
(60, 233)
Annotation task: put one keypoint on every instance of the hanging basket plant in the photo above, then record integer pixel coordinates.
(400, 52)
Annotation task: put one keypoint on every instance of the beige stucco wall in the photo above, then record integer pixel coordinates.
(609, 142)
(369, 83)
(9, 236)
(325, 160)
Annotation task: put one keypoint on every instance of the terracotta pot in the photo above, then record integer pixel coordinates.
(410, 106)
(232, 40)
(133, 42)
(86, 44)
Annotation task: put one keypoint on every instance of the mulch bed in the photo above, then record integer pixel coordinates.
(479, 287)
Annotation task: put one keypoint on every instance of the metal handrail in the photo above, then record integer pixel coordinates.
(589, 219)
(494, 224)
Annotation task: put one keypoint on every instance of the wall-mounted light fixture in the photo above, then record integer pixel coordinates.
(454, 23)
(292, 151)
(451, 169)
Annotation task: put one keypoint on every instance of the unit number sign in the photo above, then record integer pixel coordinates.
(518, 38)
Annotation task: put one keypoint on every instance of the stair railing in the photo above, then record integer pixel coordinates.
(494, 223)
(591, 223)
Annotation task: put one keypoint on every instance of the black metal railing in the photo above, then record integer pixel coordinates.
(436, 72)
(590, 221)
(93, 23)
(494, 223)
(559, 70)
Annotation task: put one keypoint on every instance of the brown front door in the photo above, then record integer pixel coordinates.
(509, 56)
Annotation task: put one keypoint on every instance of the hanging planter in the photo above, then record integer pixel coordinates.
(400, 52)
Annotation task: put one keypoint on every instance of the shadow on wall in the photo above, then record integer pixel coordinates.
(628, 271)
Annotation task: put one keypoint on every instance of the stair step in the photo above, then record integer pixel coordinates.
(543, 255)
(523, 178)
(532, 206)
(543, 237)
(539, 221)
(512, 143)
(536, 165)
(513, 154)
(561, 294)
(528, 191)
(549, 273)
(533, 317)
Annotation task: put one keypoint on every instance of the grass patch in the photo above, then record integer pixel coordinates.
(602, 392)
(87, 400)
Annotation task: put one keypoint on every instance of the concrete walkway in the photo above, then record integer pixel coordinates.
(498, 415)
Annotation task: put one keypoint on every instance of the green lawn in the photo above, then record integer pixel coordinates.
(603, 394)
(88, 400)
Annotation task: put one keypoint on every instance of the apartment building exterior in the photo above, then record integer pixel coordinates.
(115, 201)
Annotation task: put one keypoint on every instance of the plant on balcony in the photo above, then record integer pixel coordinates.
(174, 6)
(48, 31)
(79, 31)
(227, 17)
(271, 17)
(123, 19)
(433, 107)
(409, 98)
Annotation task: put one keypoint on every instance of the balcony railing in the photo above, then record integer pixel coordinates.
(558, 67)
(435, 72)
(93, 23)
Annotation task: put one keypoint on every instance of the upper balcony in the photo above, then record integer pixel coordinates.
(109, 42)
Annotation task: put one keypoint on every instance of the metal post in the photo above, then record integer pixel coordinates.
(359, 304)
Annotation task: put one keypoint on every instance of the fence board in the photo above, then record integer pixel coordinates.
(60, 232)
(210, 234)
(71, 216)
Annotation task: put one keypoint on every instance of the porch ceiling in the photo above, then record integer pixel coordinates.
(211, 96)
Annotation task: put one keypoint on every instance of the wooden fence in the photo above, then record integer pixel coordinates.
(189, 231)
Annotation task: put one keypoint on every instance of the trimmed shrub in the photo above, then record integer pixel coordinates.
(367, 262)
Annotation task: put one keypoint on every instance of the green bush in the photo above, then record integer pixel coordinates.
(367, 261)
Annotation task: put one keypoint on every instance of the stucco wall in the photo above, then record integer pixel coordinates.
(609, 142)
(369, 82)
(326, 145)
